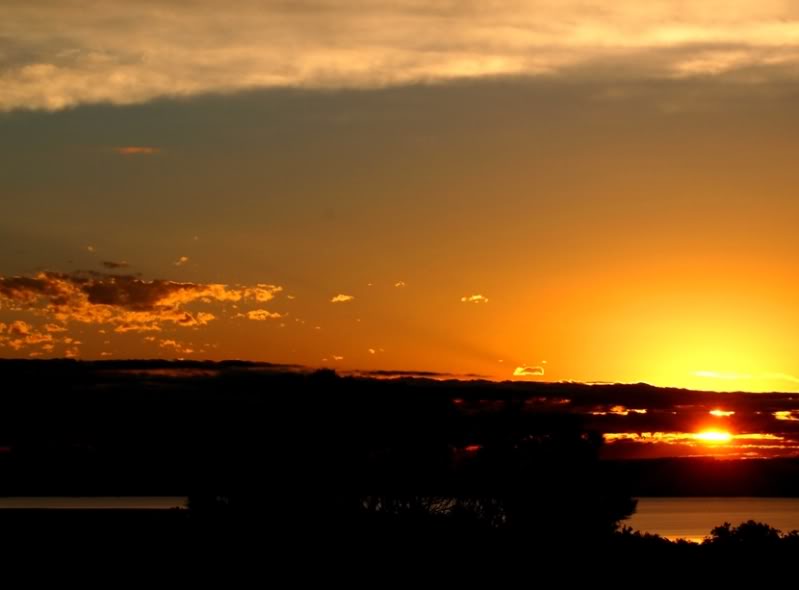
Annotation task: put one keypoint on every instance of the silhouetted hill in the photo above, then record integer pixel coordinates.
(296, 457)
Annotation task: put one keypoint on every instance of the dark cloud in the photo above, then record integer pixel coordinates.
(111, 265)
(126, 301)
(418, 374)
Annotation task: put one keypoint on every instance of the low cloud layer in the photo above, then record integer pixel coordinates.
(56, 54)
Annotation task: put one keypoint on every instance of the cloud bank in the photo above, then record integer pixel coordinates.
(56, 54)
(125, 303)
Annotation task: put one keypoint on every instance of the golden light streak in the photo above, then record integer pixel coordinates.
(620, 411)
(713, 436)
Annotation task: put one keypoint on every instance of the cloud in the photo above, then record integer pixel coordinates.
(136, 150)
(19, 335)
(262, 314)
(399, 284)
(19, 328)
(176, 346)
(474, 299)
(61, 54)
(111, 265)
(341, 298)
(181, 261)
(528, 372)
(388, 374)
(125, 302)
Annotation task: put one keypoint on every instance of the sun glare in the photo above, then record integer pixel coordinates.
(714, 436)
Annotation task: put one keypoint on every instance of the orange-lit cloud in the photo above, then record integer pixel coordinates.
(136, 150)
(342, 298)
(181, 261)
(474, 299)
(62, 54)
(126, 303)
(262, 314)
(620, 411)
(176, 346)
(528, 371)
(691, 437)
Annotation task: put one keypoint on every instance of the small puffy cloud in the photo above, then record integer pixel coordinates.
(90, 249)
(337, 357)
(528, 372)
(38, 338)
(262, 314)
(176, 346)
(136, 150)
(54, 328)
(181, 261)
(372, 351)
(113, 265)
(399, 284)
(20, 328)
(341, 298)
(262, 292)
(474, 299)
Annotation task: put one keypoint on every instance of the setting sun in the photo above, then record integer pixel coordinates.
(714, 436)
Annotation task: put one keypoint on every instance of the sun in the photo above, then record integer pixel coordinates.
(713, 436)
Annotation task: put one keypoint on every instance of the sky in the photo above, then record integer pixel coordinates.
(543, 190)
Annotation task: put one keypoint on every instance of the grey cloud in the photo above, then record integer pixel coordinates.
(58, 54)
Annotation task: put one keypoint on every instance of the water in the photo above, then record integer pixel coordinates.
(693, 518)
(84, 503)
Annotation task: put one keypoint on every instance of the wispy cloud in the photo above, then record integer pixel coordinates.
(261, 315)
(60, 54)
(182, 261)
(341, 298)
(137, 150)
(474, 299)
(528, 372)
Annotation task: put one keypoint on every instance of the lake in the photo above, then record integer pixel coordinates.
(693, 518)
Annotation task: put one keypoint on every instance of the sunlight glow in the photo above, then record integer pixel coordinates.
(714, 436)
(721, 413)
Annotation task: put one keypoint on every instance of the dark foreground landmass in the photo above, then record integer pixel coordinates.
(294, 467)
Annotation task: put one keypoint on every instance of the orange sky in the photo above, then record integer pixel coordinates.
(552, 192)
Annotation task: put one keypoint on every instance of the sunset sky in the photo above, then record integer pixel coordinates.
(553, 190)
